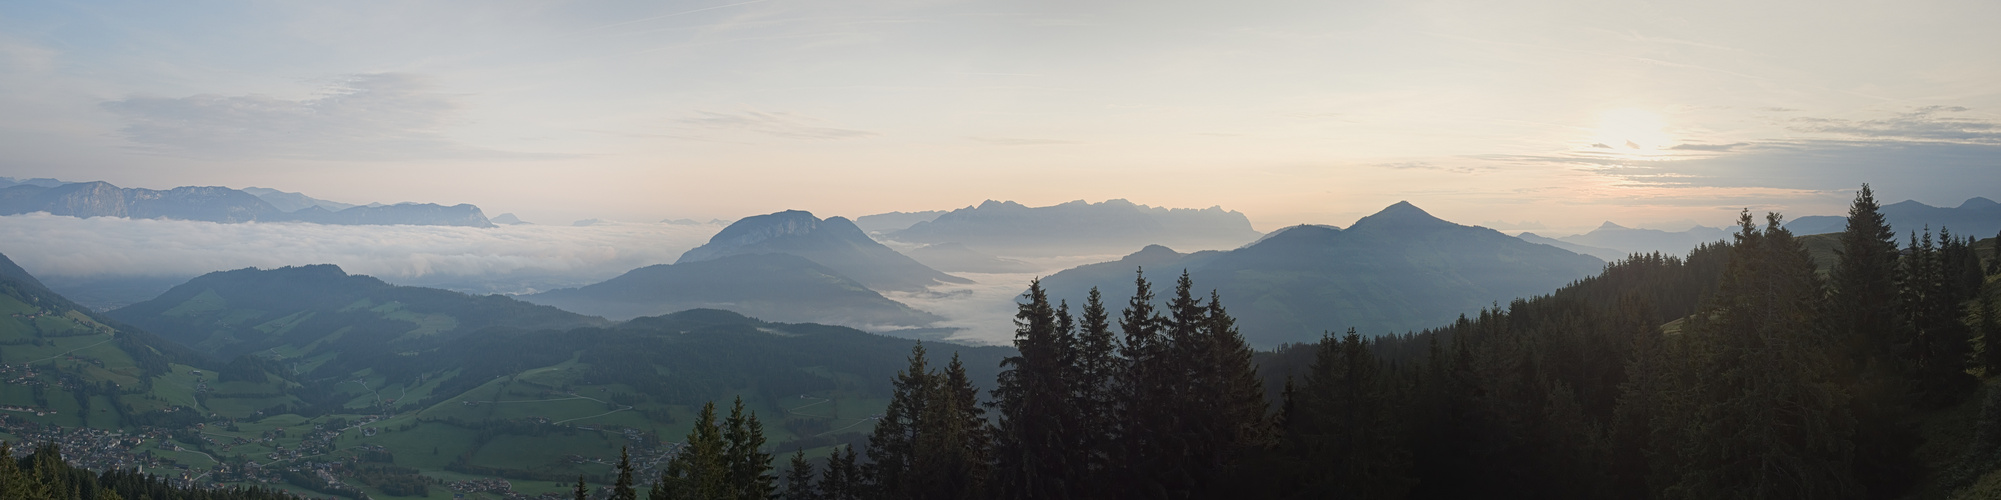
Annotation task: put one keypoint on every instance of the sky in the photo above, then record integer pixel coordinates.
(1515, 115)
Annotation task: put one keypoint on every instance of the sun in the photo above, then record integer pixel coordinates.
(1631, 129)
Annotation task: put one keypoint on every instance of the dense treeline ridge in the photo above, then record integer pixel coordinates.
(1739, 371)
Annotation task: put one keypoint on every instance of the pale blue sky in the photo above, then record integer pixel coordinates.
(1566, 113)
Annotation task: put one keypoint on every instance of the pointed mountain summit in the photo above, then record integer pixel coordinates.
(1398, 270)
(1401, 215)
(833, 242)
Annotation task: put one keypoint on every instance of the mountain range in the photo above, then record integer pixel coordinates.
(1398, 270)
(833, 242)
(1613, 242)
(1007, 228)
(892, 221)
(769, 286)
(479, 388)
(218, 204)
(1978, 217)
(293, 202)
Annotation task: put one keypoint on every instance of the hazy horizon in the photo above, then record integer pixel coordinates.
(1558, 113)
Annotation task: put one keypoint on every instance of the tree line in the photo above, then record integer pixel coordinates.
(1740, 370)
(43, 475)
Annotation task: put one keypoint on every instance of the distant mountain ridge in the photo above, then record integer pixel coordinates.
(229, 313)
(770, 286)
(833, 242)
(1979, 217)
(217, 204)
(1007, 228)
(893, 221)
(1606, 254)
(1397, 270)
(293, 202)
(1625, 241)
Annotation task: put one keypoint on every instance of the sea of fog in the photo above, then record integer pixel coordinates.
(110, 261)
(984, 310)
(506, 259)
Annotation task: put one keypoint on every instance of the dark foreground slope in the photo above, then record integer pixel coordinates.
(1398, 270)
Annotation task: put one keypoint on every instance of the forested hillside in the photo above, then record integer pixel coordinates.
(1741, 370)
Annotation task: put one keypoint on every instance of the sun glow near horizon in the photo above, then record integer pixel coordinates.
(1632, 130)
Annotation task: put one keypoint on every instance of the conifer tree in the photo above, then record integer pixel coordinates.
(1345, 432)
(622, 488)
(1990, 333)
(799, 479)
(1865, 282)
(1994, 258)
(1095, 394)
(1931, 302)
(1236, 391)
(952, 444)
(1750, 412)
(893, 443)
(1032, 450)
(1141, 392)
(749, 467)
(18, 483)
(1865, 314)
(699, 471)
(580, 491)
(843, 478)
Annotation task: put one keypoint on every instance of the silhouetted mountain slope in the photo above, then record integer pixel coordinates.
(293, 202)
(10, 269)
(101, 199)
(229, 313)
(1080, 228)
(774, 287)
(894, 221)
(834, 242)
(1398, 270)
(1628, 241)
(957, 258)
(1976, 217)
(7, 182)
(1606, 254)
(414, 214)
(216, 204)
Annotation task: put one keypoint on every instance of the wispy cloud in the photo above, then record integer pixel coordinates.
(1418, 165)
(1709, 147)
(383, 116)
(776, 124)
(1021, 141)
(1929, 123)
